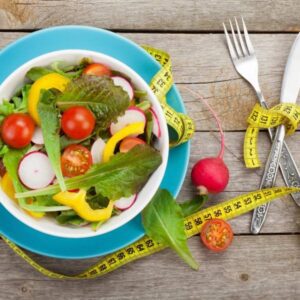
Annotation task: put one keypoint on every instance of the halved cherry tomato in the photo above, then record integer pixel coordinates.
(130, 142)
(76, 160)
(17, 130)
(78, 122)
(97, 70)
(216, 235)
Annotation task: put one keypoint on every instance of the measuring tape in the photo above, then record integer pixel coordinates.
(146, 246)
(160, 84)
(285, 113)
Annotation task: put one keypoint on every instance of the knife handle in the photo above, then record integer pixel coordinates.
(287, 164)
(268, 178)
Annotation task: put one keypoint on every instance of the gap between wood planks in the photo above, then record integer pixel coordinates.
(158, 31)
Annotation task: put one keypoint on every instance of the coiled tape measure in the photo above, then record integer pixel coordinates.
(184, 128)
(286, 114)
(160, 84)
(146, 246)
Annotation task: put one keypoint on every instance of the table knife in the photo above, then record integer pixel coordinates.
(289, 93)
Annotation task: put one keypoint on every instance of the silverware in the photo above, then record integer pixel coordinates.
(245, 62)
(289, 93)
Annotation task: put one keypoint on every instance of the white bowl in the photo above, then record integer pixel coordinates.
(48, 225)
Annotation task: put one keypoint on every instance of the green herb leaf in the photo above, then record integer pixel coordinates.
(37, 72)
(18, 103)
(6, 108)
(65, 141)
(70, 217)
(122, 176)
(46, 200)
(3, 148)
(49, 117)
(149, 127)
(164, 222)
(97, 201)
(99, 94)
(140, 93)
(192, 206)
(11, 161)
(60, 67)
(144, 105)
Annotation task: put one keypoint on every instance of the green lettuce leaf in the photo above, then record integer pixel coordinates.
(60, 67)
(3, 148)
(192, 206)
(122, 176)
(18, 103)
(65, 141)
(36, 72)
(99, 94)
(50, 125)
(164, 222)
(11, 161)
(70, 217)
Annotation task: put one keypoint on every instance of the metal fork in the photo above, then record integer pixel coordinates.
(243, 57)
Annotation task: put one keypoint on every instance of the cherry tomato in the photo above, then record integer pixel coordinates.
(78, 122)
(216, 235)
(130, 142)
(76, 160)
(17, 130)
(97, 70)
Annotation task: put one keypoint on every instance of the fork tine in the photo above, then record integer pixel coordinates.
(242, 43)
(229, 44)
(237, 47)
(247, 38)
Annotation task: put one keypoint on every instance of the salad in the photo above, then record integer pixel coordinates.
(77, 143)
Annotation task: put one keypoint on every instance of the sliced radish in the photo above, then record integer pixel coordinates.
(132, 115)
(37, 137)
(122, 82)
(35, 170)
(97, 150)
(125, 203)
(156, 128)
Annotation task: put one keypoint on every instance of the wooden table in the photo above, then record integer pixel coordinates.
(266, 266)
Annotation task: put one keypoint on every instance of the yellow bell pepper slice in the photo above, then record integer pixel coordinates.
(77, 201)
(46, 82)
(8, 188)
(134, 128)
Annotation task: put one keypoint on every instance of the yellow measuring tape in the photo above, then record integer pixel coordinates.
(160, 84)
(146, 246)
(286, 114)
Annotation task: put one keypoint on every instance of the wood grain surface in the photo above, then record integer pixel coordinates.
(131, 15)
(255, 267)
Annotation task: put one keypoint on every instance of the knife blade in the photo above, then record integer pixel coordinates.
(289, 93)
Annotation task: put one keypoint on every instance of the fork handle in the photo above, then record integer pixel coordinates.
(287, 164)
(269, 178)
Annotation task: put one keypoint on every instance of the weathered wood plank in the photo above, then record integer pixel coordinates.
(255, 267)
(208, 66)
(175, 15)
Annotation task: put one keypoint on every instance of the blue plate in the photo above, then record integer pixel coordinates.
(89, 38)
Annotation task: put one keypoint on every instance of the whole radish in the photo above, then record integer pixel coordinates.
(210, 174)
